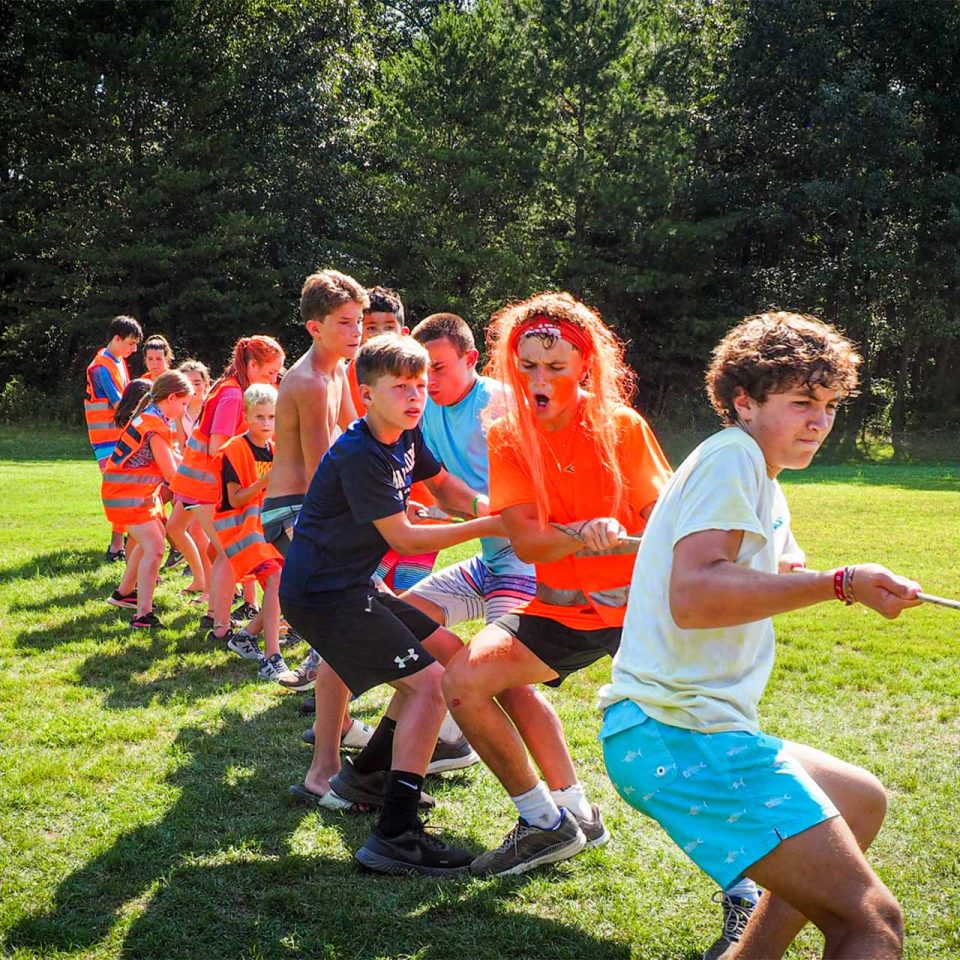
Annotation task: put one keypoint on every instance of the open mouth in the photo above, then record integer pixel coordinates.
(541, 401)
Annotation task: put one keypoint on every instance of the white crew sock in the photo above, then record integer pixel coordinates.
(537, 808)
(449, 731)
(574, 799)
(745, 888)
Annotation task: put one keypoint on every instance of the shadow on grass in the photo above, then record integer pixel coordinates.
(214, 877)
(57, 563)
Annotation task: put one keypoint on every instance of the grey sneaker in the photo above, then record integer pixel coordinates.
(736, 914)
(452, 756)
(596, 833)
(245, 646)
(304, 677)
(526, 847)
(367, 789)
(272, 667)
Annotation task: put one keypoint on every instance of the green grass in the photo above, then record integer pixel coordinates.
(143, 778)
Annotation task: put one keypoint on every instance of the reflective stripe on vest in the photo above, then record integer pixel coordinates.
(97, 411)
(129, 494)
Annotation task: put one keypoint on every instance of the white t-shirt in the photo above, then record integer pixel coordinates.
(709, 680)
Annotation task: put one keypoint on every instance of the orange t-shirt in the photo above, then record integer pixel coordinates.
(579, 488)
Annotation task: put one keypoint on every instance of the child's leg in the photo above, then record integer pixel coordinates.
(149, 537)
(128, 583)
(202, 541)
(179, 535)
(221, 593)
(270, 614)
(249, 588)
(835, 887)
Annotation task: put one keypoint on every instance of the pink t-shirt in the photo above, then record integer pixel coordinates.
(228, 412)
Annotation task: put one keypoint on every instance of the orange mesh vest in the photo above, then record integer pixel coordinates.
(240, 530)
(98, 410)
(197, 477)
(129, 494)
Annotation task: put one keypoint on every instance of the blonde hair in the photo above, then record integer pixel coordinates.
(607, 380)
(258, 393)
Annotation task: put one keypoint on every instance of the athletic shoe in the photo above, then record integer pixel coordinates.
(289, 637)
(736, 914)
(271, 667)
(367, 789)
(526, 847)
(413, 851)
(115, 556)
(593, 829)
(304, 677)
(452, 756)
(246, 611)
(245, 646)
(147, 622)
(126, 601)
(174, 559)
(308, 706)
(207, 623)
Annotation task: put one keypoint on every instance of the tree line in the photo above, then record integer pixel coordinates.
(675, 163)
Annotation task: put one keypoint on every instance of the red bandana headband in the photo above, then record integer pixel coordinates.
(543, 326)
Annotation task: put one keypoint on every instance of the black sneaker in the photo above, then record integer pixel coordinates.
(308, 706)
(413, 851)
(115, 556)
(174, 559)
(246, 611)
(148, 621)
(206, 622)
(367, 789)
(126, 601)
(225, 639)
(452, 756)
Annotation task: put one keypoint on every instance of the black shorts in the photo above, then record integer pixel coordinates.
(367, 637)
(560, 647)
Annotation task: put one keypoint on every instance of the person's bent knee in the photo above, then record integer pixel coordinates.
(875, 914)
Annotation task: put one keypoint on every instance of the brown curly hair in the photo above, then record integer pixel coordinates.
(772, 352)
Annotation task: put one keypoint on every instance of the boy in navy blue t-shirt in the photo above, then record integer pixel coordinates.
(354, 511)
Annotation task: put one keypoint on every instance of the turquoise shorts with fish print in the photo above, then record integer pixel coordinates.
(726, 799)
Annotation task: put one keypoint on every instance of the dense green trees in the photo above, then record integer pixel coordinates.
(676, 164)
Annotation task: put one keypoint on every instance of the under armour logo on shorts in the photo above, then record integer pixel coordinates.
(401, 662)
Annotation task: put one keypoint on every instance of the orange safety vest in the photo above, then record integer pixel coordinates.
(129, 494)
(240, 530)
(98, 410)
(197, 477)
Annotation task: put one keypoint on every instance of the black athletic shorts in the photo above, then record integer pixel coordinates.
(367, 637)
(279, 516)
(560, 647)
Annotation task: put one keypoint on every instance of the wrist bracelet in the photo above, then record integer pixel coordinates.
(475, 499)
(838, 577)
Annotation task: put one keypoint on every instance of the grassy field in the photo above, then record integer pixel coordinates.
(143, 777)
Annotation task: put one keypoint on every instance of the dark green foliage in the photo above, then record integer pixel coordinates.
(675, 164)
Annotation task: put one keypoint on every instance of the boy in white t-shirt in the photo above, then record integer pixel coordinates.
(680, 736)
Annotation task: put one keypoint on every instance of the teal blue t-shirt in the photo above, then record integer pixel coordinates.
(456, 438)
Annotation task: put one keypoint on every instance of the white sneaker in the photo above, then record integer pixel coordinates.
(358, 736)
(272, 667)
(245, 646)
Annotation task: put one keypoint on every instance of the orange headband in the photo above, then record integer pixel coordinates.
(545, 326)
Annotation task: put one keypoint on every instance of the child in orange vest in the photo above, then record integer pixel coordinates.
(157, 356)
(142, 460)
(107, 378)
(245, 463)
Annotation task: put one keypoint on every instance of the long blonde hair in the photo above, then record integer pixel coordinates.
(607, 380)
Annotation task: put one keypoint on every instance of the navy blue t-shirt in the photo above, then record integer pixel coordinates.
(336, 546)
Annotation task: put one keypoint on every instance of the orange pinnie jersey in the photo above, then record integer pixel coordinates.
(579, 488)
(98, 410)
(197, 477)
(130, 494)
(240, 530)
